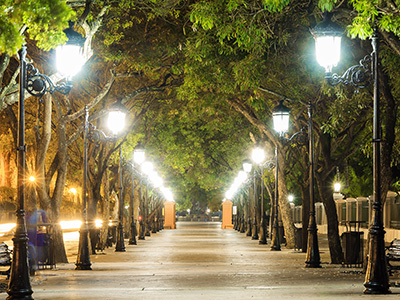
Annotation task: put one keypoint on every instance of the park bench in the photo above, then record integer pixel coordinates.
(5, 259)
(393, 255)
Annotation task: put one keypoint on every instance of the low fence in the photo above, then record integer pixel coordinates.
(358, 210)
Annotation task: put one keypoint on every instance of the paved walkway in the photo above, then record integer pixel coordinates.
(201, 261)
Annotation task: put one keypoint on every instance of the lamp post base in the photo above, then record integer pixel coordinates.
(120, 245)
(376, 277)
(132, 239)
(83, 258)
(19, 286)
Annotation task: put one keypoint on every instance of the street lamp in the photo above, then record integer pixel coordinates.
(258, 156)
(147, 168)
(36, 84)
(83, 257)
(69, 57)
(116, 123)
(313, 259)
(247, 167)
(138, 158)
(280, 117)
(360, 76)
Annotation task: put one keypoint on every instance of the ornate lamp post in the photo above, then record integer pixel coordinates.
(258, 156)
(247, 167)
(138, 158)
(83, 257)
(146, 168)
(36, 84)
(95, 135)
(280, 117)
(327, 40)
(313, 259)
(116, 123)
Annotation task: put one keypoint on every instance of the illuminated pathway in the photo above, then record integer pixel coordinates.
(201, 261)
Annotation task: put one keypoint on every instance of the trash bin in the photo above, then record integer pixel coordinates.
(353, 248)
(298, 238)
(45, 247)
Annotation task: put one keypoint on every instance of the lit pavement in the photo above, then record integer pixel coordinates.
(201, 261)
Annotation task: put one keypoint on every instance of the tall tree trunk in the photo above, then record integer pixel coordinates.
(284, 206)
(106, 209)
(58, 192)
(326, 195)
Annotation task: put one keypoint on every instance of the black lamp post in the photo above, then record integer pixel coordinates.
(146, 168)
(83, 257)
(138, 158)
(255, 196)
(116, 123)
(313, 259)
(247, 167)
(133, 230)
(327, 36)
(36, 84)
(258, 156)
(280, 116)
(95, 135)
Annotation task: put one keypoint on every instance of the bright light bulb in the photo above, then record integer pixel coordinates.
(69, 59)
(139, 156)
(116, 121)
(327, 50)
(337, 187)
(258, 155)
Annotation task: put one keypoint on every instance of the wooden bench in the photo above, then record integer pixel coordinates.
(393, 255)
(5, 259)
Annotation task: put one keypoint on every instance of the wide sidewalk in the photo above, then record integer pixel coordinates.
(199, 260)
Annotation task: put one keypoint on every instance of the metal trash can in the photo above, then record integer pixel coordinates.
(353, 248)
(298, 238)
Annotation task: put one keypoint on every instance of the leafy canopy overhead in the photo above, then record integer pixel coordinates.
(41, 20)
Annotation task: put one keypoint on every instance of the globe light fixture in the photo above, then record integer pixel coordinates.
(69, 57)
(147, 167)
(337, 187)
(328, 36)
(247, 165)
(139, 155)
(258, 155)
(156, 179)
(280, 117)
(116, 117)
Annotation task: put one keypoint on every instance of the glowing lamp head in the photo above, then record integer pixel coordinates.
(337, 187)
(258, 155)
(280, 116)
(247, 165)
(147, 167)
(156, 179)
(139, 154)
(140, 218)
(291, 198)
(32, 178)
(69, 57)
(328, 36)
(116, 117)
